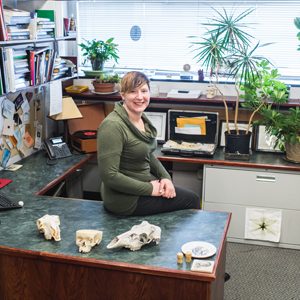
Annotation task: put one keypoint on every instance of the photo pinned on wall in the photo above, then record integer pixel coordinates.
(223, 129)
(159, 121)
(264, 141)
(16, 139)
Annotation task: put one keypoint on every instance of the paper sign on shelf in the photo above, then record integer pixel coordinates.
(55, 97)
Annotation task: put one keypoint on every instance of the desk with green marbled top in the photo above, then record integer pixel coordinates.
(33, 268)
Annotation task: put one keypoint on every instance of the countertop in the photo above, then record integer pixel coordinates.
(18, 226)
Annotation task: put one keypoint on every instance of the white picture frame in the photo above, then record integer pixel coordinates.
(159, 121)
(264, 141)
(241, 126)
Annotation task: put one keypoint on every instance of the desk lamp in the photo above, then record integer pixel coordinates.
(69, 111)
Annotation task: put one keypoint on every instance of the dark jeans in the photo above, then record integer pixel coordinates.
(149, 205)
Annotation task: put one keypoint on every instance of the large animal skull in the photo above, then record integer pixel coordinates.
(87, 238)
(137, 236)
(49, 225)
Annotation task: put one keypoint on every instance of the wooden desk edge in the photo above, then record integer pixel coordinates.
(52, 183)
(109, 265)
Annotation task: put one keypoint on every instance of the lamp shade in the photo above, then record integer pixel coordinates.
(69, 110)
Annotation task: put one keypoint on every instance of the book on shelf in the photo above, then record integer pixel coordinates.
(41, 28)
(21, 63)
(45, 26)
(14, 16)
(41, 64)
(17, 22)
(3, 32)
(14, 12)
(14, 69)
(17, 28)
(9, 66)
(4, 75)
(20, 53)
(46, 19)
(1, 86)
(60, 69)
(48, 14)
(19, 70)
(23, 35)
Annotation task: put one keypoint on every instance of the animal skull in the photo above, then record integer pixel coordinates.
(87, 238)
(137, 236)
(49, 225)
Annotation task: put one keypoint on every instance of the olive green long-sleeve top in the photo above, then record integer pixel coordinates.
(126, 161)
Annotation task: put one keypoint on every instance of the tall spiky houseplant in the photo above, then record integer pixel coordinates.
(226, 44)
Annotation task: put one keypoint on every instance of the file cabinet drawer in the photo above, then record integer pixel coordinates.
(253, 187)
(289, 238)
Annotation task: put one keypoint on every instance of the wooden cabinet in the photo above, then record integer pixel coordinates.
(234, 189)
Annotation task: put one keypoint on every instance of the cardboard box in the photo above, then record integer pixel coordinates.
(83, 132)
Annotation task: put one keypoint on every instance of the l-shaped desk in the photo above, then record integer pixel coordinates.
(266, 181)
(34, 268)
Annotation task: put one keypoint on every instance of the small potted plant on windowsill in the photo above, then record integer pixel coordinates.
(98, 52)
(106, 82)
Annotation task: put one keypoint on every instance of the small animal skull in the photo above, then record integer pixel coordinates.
(88, 238)
(137, 236)
(211, 92)
(49, 225)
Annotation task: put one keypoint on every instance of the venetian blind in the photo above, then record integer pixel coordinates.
(165, 26)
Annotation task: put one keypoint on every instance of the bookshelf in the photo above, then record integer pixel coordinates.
(36, 34)
(36, 41)
(26, 98)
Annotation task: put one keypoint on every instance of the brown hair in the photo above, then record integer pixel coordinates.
(133, 80)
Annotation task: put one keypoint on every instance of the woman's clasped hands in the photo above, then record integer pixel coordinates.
(163, 188)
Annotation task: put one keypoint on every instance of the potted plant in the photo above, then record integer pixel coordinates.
(284, 125)
(227, 46)
(105, 82)
(98, 52)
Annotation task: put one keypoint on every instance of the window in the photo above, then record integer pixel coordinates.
(153, 34)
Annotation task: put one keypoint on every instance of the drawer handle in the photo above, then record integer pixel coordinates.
(265, 178)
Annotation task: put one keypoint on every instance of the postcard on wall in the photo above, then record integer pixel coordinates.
(8, 109)
(8, 127)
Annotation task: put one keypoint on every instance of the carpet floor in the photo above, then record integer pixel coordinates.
(262, 273)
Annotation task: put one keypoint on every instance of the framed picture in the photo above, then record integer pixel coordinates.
(159, 121)
(264, 141)
(241, 126)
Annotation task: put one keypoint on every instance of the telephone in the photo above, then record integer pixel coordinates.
(57, 148)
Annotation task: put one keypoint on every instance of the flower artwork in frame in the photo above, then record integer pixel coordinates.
(265, 141)
(159, 121)
(241, 126)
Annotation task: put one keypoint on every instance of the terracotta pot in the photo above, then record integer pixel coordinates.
(293, 152)
(103, 87)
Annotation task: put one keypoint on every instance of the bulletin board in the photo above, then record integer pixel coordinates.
(19, 127)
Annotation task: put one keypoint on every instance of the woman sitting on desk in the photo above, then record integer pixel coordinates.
(134, 182)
